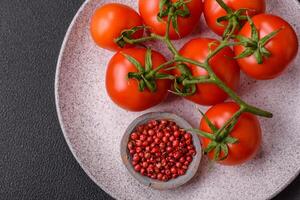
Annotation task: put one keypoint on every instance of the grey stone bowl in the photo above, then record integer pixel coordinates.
(153, 183)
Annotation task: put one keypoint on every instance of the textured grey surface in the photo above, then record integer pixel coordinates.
(94, 135)
(35, 162)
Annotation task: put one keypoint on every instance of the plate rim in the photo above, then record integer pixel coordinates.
(57, 101)
(279, 189)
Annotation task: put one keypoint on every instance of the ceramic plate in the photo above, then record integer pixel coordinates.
(93, 125)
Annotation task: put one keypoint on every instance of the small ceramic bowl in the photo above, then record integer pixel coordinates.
(154, 183)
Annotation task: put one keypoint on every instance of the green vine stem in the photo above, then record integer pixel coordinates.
(222, 132)
(139, 40)
(213, 78)
(220, 138)
(154, 71)
(167, 37)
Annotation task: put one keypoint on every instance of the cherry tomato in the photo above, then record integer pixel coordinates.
(222, 64)
(213, 11)
(150, 9)
(247, 131)
(283, 47)
(109, 21)
(124, 91)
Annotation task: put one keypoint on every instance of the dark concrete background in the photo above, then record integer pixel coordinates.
(35, 161)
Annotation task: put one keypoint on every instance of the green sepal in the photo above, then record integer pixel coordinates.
(203, 134)
(232, 124)
(224, 148)
(254, 32)
(127, 33)
(224, 6)
(142, 85)
(184, 70)
(183, 13)
(245, 41)
(258, 56)
(178, 8)
(148, 60)
(221, 19)
(254, 45)
(268, 37)
(217, 152)
(150, 84)
(164, 8)
(265, 52)
(247, 52)
(134, 75)
(230, 140)
(175, 24)
(209, 123)
(181, 90)
(133, 61)
(145, 76)
(234, 18)
(212, 145)
(230, 28)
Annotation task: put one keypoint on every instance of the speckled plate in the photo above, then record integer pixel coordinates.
(93, 125)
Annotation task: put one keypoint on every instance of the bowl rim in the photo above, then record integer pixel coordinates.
(153, 183)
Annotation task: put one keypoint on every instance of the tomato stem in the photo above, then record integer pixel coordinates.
(233, 18)
(186, 84)
(201, 79)
(180, 58)
(154, 71)
(167, 37)
(223, 132)
(213, 77)
(224, 6)
(139, 40)
(189, 82)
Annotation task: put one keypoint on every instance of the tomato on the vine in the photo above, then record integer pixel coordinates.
(213, 11)
(108, 22)
(275, 53)
(149, 11)
(223, 65)
(247, 131)
(125, 91)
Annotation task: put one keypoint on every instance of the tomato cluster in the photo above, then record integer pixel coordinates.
(138, 78)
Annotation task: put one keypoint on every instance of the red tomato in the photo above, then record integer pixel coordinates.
(109, 21)
(212, 11)
(222, 64)
(247, 131)
(283, 47)
(150, 9)
(125, 92)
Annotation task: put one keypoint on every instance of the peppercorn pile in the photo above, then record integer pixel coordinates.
(161, 150)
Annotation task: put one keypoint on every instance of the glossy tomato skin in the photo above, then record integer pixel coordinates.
(124, 92)
(222, 64)
(212, 11)
(283, 47)
(247, 131)
(149, 10)
(109, 21)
